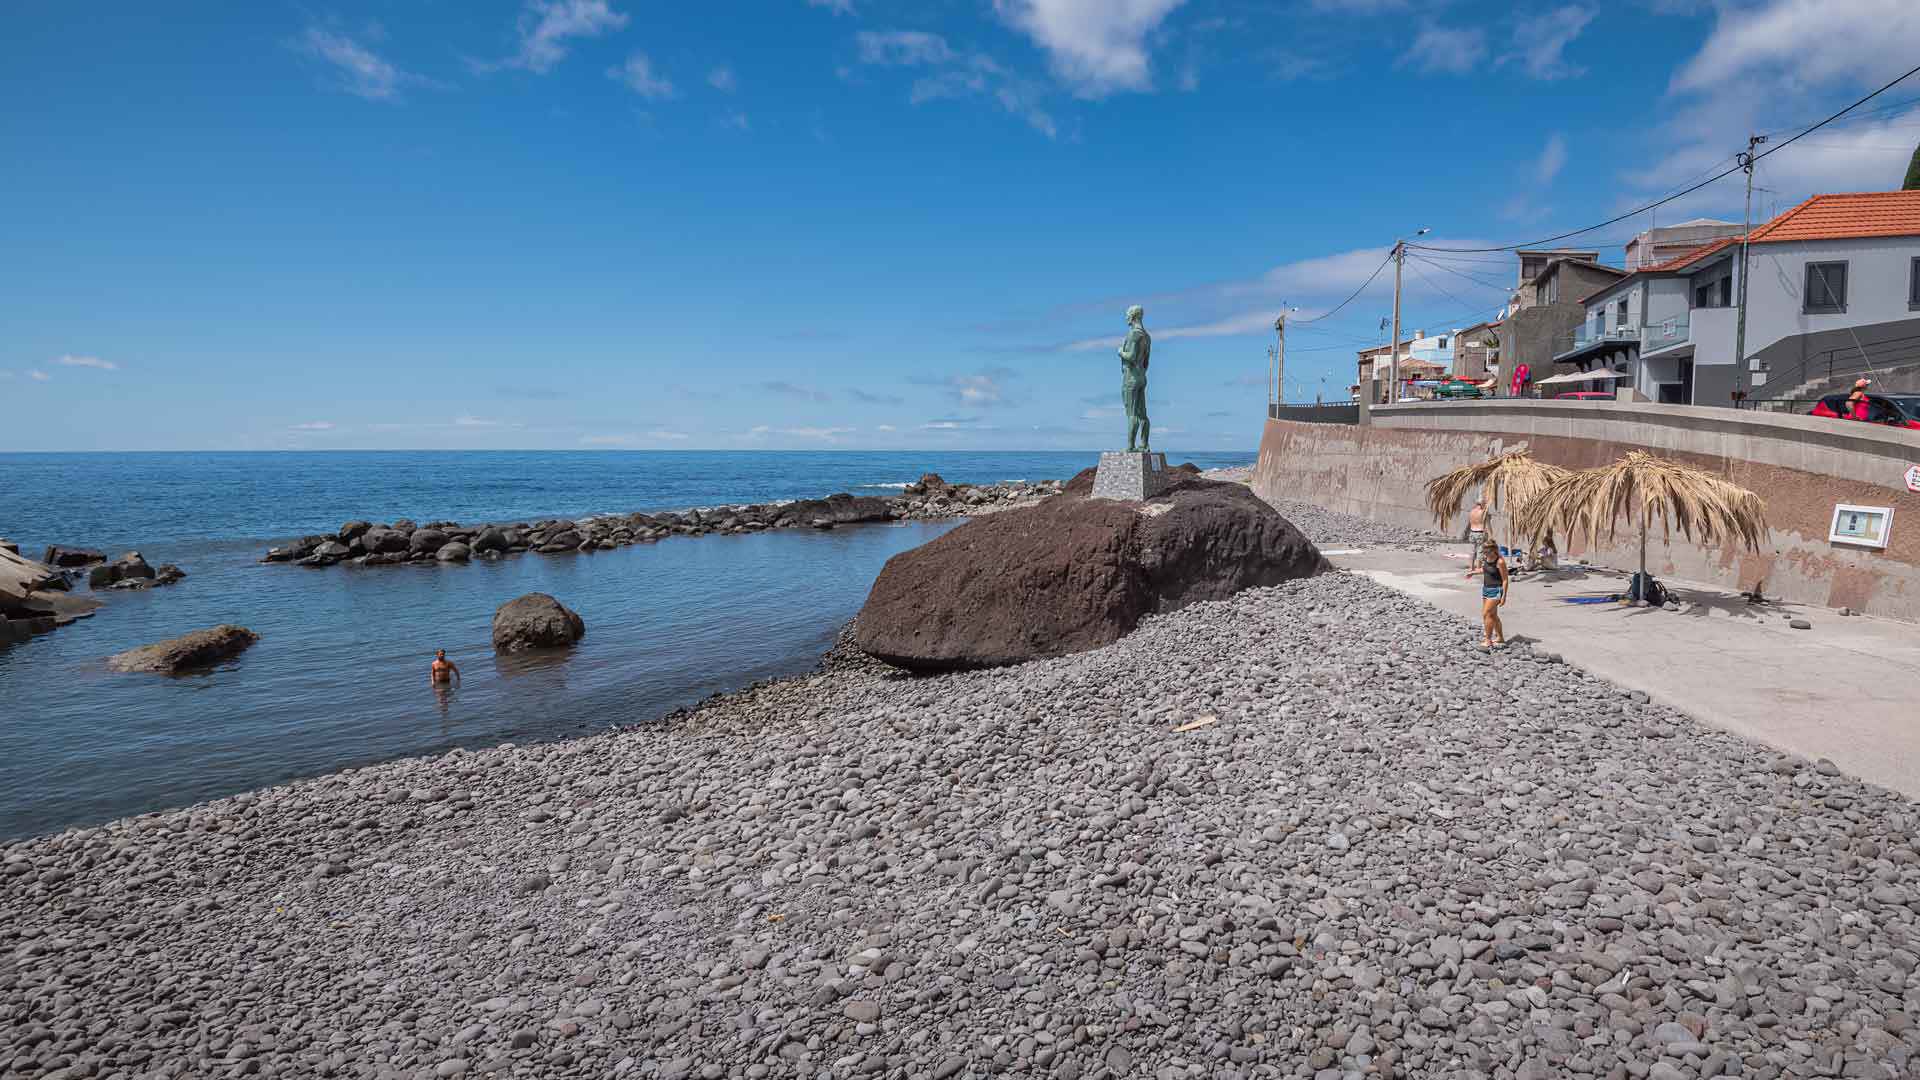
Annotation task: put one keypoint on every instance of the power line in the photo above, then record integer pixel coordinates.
(1470, 276)
(1435, 286)
(1696, 187)
(1350, 299)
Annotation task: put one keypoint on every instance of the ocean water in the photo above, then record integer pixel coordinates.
(339, 677)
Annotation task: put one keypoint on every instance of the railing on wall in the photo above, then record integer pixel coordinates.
(1333, 412)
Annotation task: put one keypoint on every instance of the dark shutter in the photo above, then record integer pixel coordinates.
(1826, 289)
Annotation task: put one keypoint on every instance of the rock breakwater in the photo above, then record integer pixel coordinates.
(1303, 831)
(366, 543)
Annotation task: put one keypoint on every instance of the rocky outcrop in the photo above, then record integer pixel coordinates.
(1074, 573)
(188, 652)
(129, 567)
(164, 574)
(369, 544)
(33, 598)
(70, 558)
(454, 552)
(535, 621)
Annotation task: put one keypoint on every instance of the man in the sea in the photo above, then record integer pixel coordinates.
(443, 673)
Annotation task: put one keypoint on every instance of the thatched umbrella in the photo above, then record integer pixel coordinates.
(1514, 479)
(1591, 504)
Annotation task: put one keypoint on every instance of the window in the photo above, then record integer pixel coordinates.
(1826, 291)
(1620, 314)
(1913, 285)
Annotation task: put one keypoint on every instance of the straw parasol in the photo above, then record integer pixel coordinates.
(1514, 478)
(1591, 504)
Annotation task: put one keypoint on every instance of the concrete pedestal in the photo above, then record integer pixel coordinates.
(1133, 476)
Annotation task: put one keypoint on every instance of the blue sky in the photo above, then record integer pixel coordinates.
(830, 223)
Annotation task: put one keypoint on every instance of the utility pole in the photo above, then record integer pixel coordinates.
(1740, 321)
(1393, 344)
(1279, 352)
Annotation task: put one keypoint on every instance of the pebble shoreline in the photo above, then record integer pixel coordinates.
(1379, 853)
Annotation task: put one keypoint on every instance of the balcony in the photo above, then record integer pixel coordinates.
(1667, 334)
(1593, 337)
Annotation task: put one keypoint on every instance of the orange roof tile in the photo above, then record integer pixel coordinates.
(1837, 217)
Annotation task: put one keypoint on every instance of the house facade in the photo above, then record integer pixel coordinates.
(1833, 293)
(1533, 333)
(1422, 356)
(1668, 242)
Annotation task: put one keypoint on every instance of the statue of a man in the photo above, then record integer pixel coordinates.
(1134, 352)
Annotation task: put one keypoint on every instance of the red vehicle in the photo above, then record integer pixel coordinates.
(1584, 395)
(1902, 411)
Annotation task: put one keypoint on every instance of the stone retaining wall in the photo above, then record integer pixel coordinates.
(1800, 465)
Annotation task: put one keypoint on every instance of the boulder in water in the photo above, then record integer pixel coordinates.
(454, 552)
(129, 567)
(535, 621)
(352, 530)
(68, 558)
(426, 541)
(202, 648)
(1074, 573)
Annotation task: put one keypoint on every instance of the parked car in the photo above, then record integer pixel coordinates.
(1584, 395)
(1902, 411)
(1458, 388)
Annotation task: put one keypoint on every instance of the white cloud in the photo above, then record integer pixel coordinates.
(723, 79)
(88, 362)
(956, 75)
(631, 440)
(314, 425)
(474, 421)
(361, 71)
(959, 423)
(736, 119)
(547, 25)
(1817, 40)
(637, 75)
(39, 376)
(976, 390)
(825, 434)
(796, 390)
(668, 436)
(1553, 158)
(1440, 50)
(1772, 66)
(1096, 47)
(1542, 41)
(838, 7)
(886, 427)
(902, 48)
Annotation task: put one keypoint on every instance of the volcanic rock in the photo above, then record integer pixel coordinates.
(491, 538)
(202, 648)
(354, 529)
(535, 621)
(66, 558)
(1074, 573)
(131, 566)
(426, 540)
(454, 552)
(384, 541)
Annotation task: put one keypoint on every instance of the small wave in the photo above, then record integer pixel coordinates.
(901, 487)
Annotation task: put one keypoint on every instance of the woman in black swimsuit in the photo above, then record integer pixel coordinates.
(1493, 593)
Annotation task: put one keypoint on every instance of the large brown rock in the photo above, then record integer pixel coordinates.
(1074, 573)
(535, 621)
(202, 648)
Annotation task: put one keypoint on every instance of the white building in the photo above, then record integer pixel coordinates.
(1667, 242)
(1834, 290)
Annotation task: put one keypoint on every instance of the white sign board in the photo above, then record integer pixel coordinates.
(1913, 478)
(1862, 526)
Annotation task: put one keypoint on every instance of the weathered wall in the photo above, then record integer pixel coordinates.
(1800, 466)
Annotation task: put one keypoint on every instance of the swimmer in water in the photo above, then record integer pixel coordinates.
(443, 673)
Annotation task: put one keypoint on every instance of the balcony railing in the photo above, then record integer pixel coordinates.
(1588, 334)
(1663, 334)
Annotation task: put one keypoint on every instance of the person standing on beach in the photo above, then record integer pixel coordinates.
(1493, 595)
(1476, 533)
(443, 672)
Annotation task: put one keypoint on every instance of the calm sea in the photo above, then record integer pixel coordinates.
(339, 675)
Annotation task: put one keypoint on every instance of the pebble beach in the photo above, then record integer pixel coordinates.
(1308, 831)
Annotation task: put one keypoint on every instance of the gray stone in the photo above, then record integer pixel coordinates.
(1135, 476)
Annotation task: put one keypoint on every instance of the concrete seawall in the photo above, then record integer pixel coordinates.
(1802, 466)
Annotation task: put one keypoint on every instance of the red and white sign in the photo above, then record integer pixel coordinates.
(1913, 478)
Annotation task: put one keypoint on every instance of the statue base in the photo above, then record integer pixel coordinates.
(1131, 475)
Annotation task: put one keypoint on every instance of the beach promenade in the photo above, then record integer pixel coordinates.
(1848, 690)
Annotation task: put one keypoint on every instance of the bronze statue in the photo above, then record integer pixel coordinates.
(1134, 352)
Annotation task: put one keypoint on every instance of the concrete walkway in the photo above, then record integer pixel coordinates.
(1848, 690)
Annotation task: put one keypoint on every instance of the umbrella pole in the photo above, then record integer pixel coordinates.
(1643, 554)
